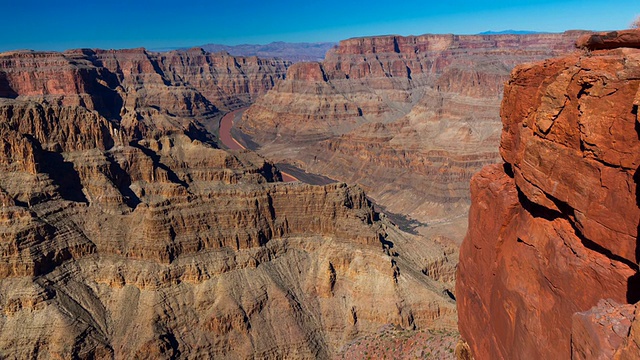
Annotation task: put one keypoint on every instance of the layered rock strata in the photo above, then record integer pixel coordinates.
(294, 52)
(554, 229)
(131, 85)
(228, 82)
(408, 118)
(124, 232)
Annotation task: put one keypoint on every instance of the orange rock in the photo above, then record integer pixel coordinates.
(610, 40)
(599, 332)
(555, 229)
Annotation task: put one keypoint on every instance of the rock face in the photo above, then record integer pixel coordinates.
(554, 229)
(408, 118)
(124, 232)
(610, 40)
(182, 83)
(603, 332)
(229, 82)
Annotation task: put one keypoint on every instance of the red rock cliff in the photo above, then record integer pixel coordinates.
(555, 228)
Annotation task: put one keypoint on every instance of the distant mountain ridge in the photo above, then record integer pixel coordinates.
(511, 32)
(298, 52)
(295, 52)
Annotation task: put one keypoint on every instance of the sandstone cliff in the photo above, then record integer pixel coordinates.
(145, 92)
(554, 229)
(170, 248)
(408, 118)
(226, 81)
(124, 232)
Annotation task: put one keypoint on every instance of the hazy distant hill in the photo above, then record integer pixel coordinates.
(295, 52)
(513, 32)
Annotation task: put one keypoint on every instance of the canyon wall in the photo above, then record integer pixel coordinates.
(125, 232)
(294, 52)
(549, 266)
(140, 89)
(408, 118)
(228, 82)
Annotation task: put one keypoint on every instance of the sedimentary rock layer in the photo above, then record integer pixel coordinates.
(408, 118)
(124, 232)
(554, 229)
(118, 82)
(294, 52)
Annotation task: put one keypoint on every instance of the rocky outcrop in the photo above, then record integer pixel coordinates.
(408, 118)
(554, 229)
(227, 81)
(604, 332)
(610, 40)
(124, 232)
(172, 248)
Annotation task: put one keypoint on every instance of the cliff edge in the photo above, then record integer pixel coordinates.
(554, 229)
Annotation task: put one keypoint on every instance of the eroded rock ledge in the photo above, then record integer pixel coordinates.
(554, 229)
(610, 40)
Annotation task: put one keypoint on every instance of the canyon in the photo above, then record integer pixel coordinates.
(128, 233)
(549, 266)
(409, 119)
(136, 223)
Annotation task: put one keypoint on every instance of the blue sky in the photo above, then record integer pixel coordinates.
(64, 24)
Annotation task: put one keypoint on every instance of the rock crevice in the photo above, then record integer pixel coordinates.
(555, 230)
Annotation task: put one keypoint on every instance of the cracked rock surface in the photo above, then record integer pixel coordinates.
(555, 228)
